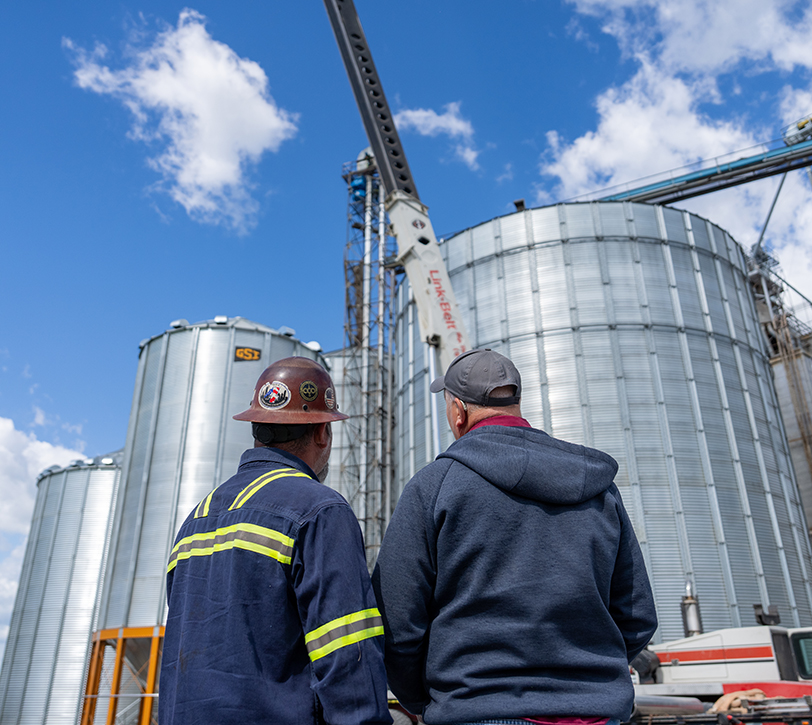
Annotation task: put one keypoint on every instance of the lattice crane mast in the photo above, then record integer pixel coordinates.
(440, 322)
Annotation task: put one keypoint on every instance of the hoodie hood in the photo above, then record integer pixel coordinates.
(527, 462)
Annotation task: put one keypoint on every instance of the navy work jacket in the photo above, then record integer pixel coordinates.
(272, 618)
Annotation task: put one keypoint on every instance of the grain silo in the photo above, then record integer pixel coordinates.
(56, 608)
(635, 332)
(181, 443)
(792, 369)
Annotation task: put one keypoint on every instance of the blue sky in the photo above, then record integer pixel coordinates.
(164, 161)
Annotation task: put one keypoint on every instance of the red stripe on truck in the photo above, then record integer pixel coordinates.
(771, 689)
(726, 653)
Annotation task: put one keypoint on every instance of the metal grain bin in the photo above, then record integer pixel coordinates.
(795, 398)
(181, 443)
(56, 607)
(635, 332)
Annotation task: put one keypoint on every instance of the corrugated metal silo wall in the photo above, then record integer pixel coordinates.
(181, 443)
(55, 610)
(803, 400)
(635, 332)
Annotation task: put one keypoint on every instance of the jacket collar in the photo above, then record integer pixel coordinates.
(258, 456)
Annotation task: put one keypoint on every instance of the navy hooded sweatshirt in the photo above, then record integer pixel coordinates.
(511, 583)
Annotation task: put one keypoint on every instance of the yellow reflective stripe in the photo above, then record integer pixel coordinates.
(249, 537)
(255, 486)
(344, 641)
(343, 631)
(253, 483)
(203, 507)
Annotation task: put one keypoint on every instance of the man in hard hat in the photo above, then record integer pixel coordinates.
(272, 618)
(510, 580)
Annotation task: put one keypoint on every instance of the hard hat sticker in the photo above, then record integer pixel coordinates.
(329, 399)
(308, 390)
(274, 396)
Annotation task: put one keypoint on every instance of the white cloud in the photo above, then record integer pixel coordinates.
(709, 36)
(672, 111)
(77, 428)
(427, 122)
(795, 104)
(506, 175)
(10, 568)
(651, 123)
(40, 418)
(22, 458)
(210, 108)
(468, 155)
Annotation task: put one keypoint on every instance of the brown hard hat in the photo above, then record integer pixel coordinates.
(292, 391)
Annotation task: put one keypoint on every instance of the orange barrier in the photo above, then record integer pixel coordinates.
(123, 674)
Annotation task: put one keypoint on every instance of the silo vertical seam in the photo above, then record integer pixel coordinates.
(737, 468)
(47, 703)
(27, 570)
(400, 324)
(218, 459)
(597, 222)
(410, 378)
(544, 383)
(145, 476)
(628, 213)
(770, 403)
(97, 604)
(429, 429)
(390, 404)
(665, 428)
(400, 362)
(563, 232)
(499, 261)
(58, 516)
(118, 511)
(779, 542)
(577, 344)
(710, 481)
(187, 404)
(625, 414)
(473, 321)
(266, 351)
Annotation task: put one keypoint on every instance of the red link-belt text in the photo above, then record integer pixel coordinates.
(444, 305)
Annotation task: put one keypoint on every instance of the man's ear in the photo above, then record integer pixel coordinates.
(322, 434)
(460, 414)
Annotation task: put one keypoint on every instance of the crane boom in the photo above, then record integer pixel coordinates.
(440, 322)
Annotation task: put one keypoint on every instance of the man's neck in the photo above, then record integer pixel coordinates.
(476, 416)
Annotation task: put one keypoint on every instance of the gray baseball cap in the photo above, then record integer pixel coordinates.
(474, 375)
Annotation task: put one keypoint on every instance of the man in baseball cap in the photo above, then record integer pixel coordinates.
(510, 580)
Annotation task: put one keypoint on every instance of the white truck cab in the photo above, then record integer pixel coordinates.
(774, 659)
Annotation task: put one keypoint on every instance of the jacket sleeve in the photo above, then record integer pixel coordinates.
(342, 625)
(631, 600)
(404, 581)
